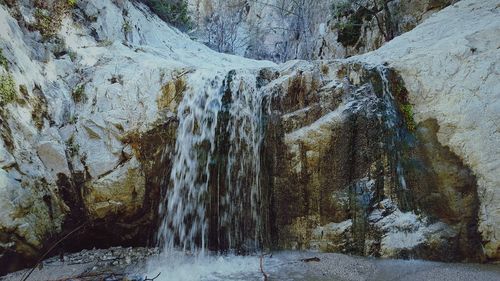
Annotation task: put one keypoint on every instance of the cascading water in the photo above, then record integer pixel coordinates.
(213, 192)
(239, 184)
(244, 156)
(183, 210)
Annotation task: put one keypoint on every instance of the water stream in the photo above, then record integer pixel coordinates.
(396, 137)
(239, 190)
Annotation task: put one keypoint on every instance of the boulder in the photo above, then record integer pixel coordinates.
(117, 194)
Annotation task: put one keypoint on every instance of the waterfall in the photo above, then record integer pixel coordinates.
(241, 200)
(212, 197)
(183, 210)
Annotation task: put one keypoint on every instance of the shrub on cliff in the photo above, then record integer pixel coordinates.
(174, 12)
(7, 89)
(350, 16)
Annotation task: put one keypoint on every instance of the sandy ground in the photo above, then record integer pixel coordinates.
(129, 264)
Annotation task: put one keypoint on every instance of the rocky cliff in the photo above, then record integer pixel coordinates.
(393, 153)
(88, 94)
(280, 30)
(352, 172)
(451, 71)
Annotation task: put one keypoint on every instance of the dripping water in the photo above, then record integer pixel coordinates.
(396, 137)
(363, 191)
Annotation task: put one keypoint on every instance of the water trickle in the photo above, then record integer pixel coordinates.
(213, 192)
(396, 137)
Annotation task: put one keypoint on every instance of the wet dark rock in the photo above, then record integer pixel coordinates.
(356, 176)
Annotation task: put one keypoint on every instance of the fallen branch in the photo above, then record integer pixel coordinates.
(147, 279)
(24, 278)
(266, 276)
(101, 276)
(316, 259)
(93, 276)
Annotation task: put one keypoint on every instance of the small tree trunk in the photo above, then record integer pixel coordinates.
(389, 26)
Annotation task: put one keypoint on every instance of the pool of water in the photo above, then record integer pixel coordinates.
(311, 266)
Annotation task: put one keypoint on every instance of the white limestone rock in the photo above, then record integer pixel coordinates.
(53, 157)
(405, 231)
(121, 75)
(6, 159)
(451, 67)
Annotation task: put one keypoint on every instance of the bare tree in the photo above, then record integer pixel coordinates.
(223, 24)
(298, 21)
(276, 29)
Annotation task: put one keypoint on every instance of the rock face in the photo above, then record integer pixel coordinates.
(393, 153)
(349, 172)
(280, 30)
(452, 72)
(357, 29)
(86, 134)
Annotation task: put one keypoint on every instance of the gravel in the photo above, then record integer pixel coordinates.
(120, 264)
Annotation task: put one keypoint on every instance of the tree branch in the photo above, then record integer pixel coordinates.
(23, 277)
(266, 276)
(277, 7)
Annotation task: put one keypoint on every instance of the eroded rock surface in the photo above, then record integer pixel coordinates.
(349, 172)
(450, 65)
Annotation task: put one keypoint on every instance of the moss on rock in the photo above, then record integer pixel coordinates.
(3, 61)
(172, 94)
(48, 18)
(78, 94)
(8, 91)
(401, 95)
